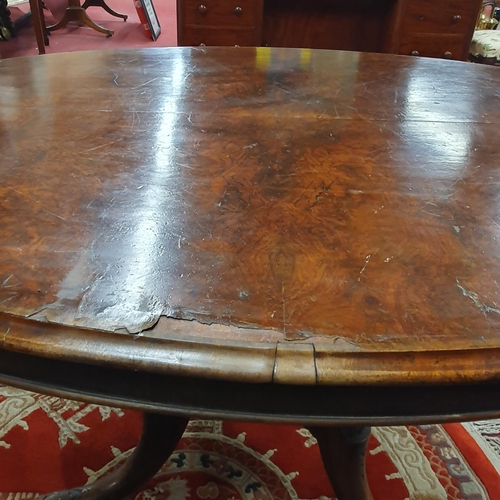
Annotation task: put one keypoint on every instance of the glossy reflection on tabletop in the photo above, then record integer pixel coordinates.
(315, 194)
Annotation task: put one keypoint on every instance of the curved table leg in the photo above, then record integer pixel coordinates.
(75, 12)
(105, 6)
(343, 451)
(160, 436)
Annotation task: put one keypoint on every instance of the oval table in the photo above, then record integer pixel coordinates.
(265, 234)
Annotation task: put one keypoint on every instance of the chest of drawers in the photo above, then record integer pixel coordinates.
(431, 28)
(219, 22)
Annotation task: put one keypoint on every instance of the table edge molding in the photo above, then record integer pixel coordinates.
(272, 362)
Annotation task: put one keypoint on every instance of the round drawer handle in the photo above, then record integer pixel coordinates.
(203, 9)
(447, 55)
(415, 53)
(457, 17)
(238, 11)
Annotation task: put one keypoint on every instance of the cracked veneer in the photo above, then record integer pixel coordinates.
(484, 308)
(190, 327)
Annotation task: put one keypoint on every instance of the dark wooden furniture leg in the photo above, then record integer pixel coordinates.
(39, 26)
(160, 436)
(105, 6)
(75, 12)
(343, 451)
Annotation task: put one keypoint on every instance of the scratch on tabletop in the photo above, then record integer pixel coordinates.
(115, 80)
(36, 201)
(135, 115)
(6, 284)
(101, 146)
(281, 88)
(250, 146)
(458, 180)
(5, 281)
(475, 298)
(36, 312)
(7, 300)
(5, 334)
(367, 259)
(494, 222)
(81, 139)
(145, 83)
(430, 213)
(339, 338)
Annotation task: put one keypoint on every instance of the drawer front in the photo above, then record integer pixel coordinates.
(192, 35)
(237, 13)
(444, 16)
(443, 46)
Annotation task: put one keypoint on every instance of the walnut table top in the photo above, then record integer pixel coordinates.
(302, 217)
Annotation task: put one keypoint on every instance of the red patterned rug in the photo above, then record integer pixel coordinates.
(48, 444)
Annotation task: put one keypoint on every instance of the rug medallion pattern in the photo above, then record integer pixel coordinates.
(47, 443)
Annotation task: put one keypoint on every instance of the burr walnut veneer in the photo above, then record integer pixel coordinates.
(271, 234)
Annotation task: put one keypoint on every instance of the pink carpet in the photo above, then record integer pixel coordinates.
(129, 34)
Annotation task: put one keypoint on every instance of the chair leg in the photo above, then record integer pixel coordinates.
(39, 25)
(46, 34)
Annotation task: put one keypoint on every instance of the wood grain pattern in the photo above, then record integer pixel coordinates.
(252, 197)
(322, 24)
